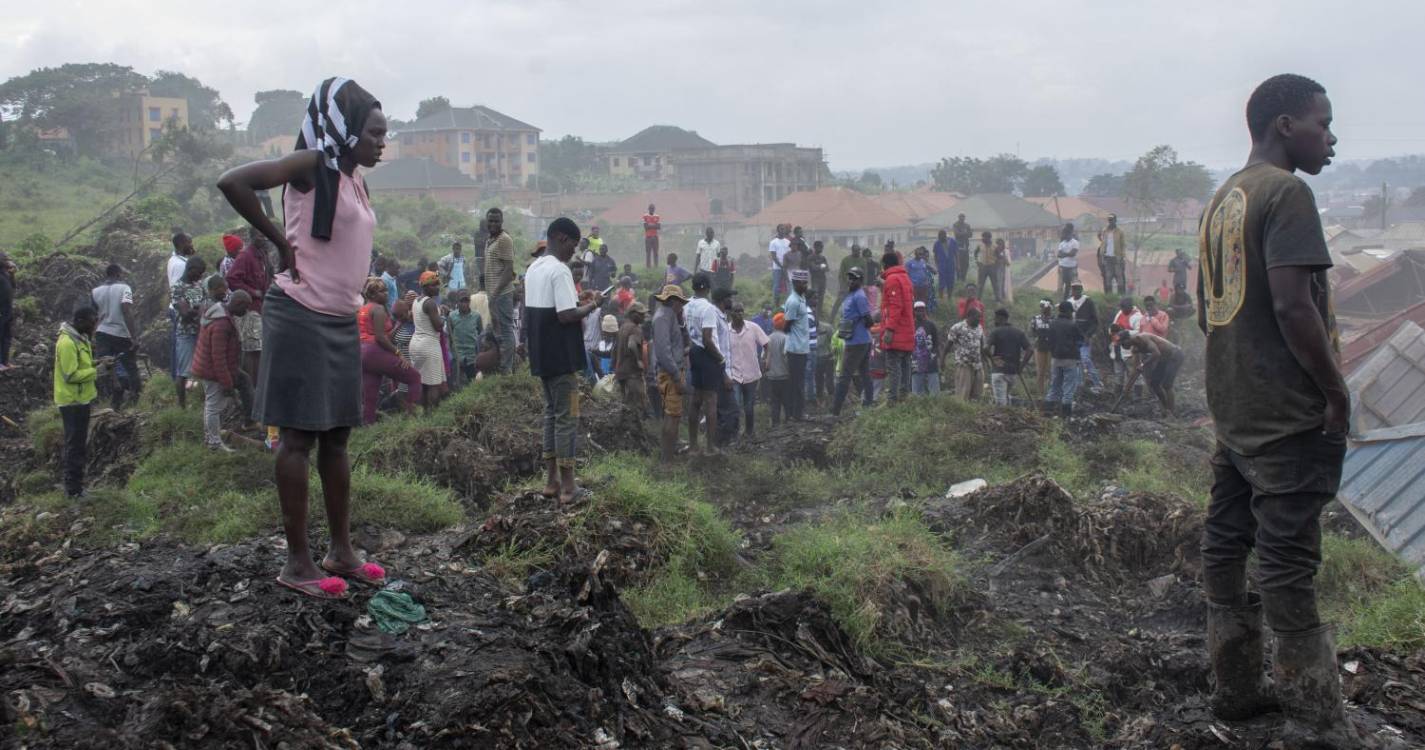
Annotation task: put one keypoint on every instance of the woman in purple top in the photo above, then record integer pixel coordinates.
(309, 381)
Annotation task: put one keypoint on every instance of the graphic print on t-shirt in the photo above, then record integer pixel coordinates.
(1223, 262)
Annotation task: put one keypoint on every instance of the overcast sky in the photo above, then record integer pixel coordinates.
(874, 83)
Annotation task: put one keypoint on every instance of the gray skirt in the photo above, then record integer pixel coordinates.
(310, 375)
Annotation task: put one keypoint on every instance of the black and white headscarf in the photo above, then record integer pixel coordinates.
(336, 114)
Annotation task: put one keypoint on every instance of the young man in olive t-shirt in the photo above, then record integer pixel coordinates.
(1281, 410)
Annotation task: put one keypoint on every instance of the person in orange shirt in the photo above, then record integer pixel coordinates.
(651, 224)
(1155, 319)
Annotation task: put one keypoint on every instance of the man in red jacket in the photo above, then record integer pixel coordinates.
(897, 326)
(215, 360)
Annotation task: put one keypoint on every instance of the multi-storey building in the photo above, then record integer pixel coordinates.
(491, 148)
(745, 179)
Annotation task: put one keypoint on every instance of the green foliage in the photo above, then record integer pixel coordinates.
(1148, 467)
(206, 108)
(44, 196)
(160, 211)
(1042, 181)
(969, 175)
(401, 501)
(684, 526)
(77, 96)
(1159, 176)
(851, 563)
(925, 445)
(1370, 594)
(431, 106)
(1104, 186)
(46, 432)
(200, 494)
(172, 425)
(278, 112)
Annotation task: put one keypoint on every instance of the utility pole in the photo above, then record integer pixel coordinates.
(1384, 204)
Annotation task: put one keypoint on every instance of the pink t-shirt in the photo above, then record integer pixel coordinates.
(332, 270)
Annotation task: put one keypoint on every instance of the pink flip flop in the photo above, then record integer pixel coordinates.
(319, 588)
(370, 573)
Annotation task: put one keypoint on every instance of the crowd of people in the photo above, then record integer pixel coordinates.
(310, 331)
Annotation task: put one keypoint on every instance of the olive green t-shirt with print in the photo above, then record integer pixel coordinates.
(1261, 218)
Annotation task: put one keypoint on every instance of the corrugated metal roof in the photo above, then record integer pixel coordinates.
(1383, 480)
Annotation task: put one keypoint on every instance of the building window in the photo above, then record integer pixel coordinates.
(529, 157)
(154, 133)
(465, 136)
(465, 156)
(174, 113)
(153, 114)
(531, 139)
(616, 161)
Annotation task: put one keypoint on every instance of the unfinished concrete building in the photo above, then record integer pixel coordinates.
(744, 179)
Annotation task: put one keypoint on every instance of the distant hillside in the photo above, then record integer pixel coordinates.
(50, 197)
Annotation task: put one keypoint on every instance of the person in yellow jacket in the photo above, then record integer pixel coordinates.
(74, 374)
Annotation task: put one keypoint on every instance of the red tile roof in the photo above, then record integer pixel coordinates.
(829, 209)
(912, 206)
(675, 208)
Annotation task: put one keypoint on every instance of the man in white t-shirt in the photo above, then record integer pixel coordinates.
(1111, 250)
(554, 314)
(778, 248)
(177, 262)
(707, 252)
(114, 336)
(1068, 255)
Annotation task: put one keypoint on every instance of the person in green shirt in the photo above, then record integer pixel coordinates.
(75, 373)
(466, 328)
(852, 260)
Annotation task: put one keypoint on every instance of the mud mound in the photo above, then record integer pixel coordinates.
(1137, 534)
(775, 670)
(166, 644)
(113, 450)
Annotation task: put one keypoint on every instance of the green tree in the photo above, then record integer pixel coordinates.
(1104, 186)
(431, 106)
(1416, 199)
(1157, 180)
(79, 97)
(1042, 182)
(966, 174)
(279, 112)
(206, 108)
(567, 160)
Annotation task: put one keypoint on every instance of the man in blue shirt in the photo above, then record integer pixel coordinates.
(922, 276)
(945, 251)
(797, 315)
(855, 330)
(388, 275)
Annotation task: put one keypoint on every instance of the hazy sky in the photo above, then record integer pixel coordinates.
(874, 83)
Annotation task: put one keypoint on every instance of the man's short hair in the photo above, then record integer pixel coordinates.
(723, 293)
(114, 269)
(1285, 94)
(563, 226)
(178, 239)
(701, 281)
(84, 311)
(215, 281)
(1066, 308)
(239, 295)
(890, 259)
(1002, 313)
(495, 212)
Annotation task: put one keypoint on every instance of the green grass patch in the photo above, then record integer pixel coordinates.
(851, 562)
(1370, 594)
(1148, 468)
(398, 501)
(1060, 462)
(205, 496)
(46, 432)
(926, 444)
(697, 545)
(391, 443)
(172, 426)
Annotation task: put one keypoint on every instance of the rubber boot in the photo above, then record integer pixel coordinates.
(1309, 688)
(1234, 647)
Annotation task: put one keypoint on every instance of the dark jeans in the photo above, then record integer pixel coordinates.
(746, 394)
(727, 414)
(126, 375)
(502, 309)
(1271, 502)
(7, 324)
(778, 398)
(796, 385)
(897, 375)
(825, 375)
(75, 418)
(855, 363)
